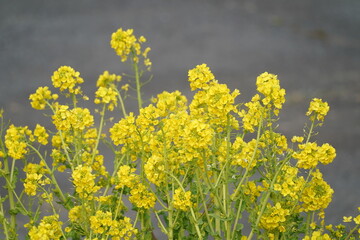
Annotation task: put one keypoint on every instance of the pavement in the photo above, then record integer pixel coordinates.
(313, 47)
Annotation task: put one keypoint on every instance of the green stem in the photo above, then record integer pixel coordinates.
(4, 222)
(10, 188)
(265, 200)
(351, 232)
(122, 105)
(102, 114)
(138, 84)
(53, 179)
(233, 197)
(237, 218)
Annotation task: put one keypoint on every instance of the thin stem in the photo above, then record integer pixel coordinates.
(233, 197)
(99, 133)
(10, 189)
(138, 84)
(122, 105)
(53, 179)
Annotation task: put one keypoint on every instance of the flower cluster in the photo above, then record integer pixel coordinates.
(126, 44)
(182, 200)
(107, 90)
(318, 109)
(16, 142)
(199, 168)
(103, 223)
(49, 228)
(35, 176)
(40, 97)
(74, 119)
(66, 78)
(274, 218)
(200, 76)
(311, 154)
(84, 182)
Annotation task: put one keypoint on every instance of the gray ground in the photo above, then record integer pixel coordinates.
(313, 47)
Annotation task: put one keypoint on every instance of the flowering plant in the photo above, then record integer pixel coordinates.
(210, 168)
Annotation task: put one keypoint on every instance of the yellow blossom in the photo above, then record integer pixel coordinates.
(48, 229)
(40, 97)
(297, 139)
(126, 177)
(15, 141)
(274, 217)
(317, 109)
(84, 182)
(66, 78)
(141, 197)
(103, 223)
(125, 43)
(254, 114)
(269, 86)
(75, 119)
(316, 235)
(200, 76)
(41, 134)
(106, 79)
(347, 219)
(317, 194)
(106, 95)
(182, 200)
(311, 154)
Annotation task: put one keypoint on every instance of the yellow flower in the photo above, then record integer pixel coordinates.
(317, 194)
(41, 134)
(106, 95)
(269, 86)
(49, 228)
(273, 217)
(106, 79)
(35, 177)
(103, 223)
(15, 141)
(200, 76)
(125, 43)
(297, 139)
(254, 115)
(215, 105)
(182, 200)
(126, 177)
(40, 97)
(66, 78)
(318, 109)
(317, 235)
(357, 219)
(141, 197)
(347, 219)
(74, 119)
(84, 182)
(311, 154)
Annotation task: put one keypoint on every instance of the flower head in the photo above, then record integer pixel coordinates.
(66, 78)
(200, 76)
(318, 109)
(40, 97)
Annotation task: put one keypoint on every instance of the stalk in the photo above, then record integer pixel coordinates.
(138, 84)
(10, 189)
(99, 133)
(53, 179)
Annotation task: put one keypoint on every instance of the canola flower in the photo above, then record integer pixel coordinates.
(66, 78)
(40, 98)
(198, 168)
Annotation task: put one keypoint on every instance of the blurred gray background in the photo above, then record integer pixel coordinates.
(313, 47)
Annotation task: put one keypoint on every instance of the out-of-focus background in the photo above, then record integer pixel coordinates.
(313, 47)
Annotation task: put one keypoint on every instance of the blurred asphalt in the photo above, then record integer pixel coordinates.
(313, 47)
